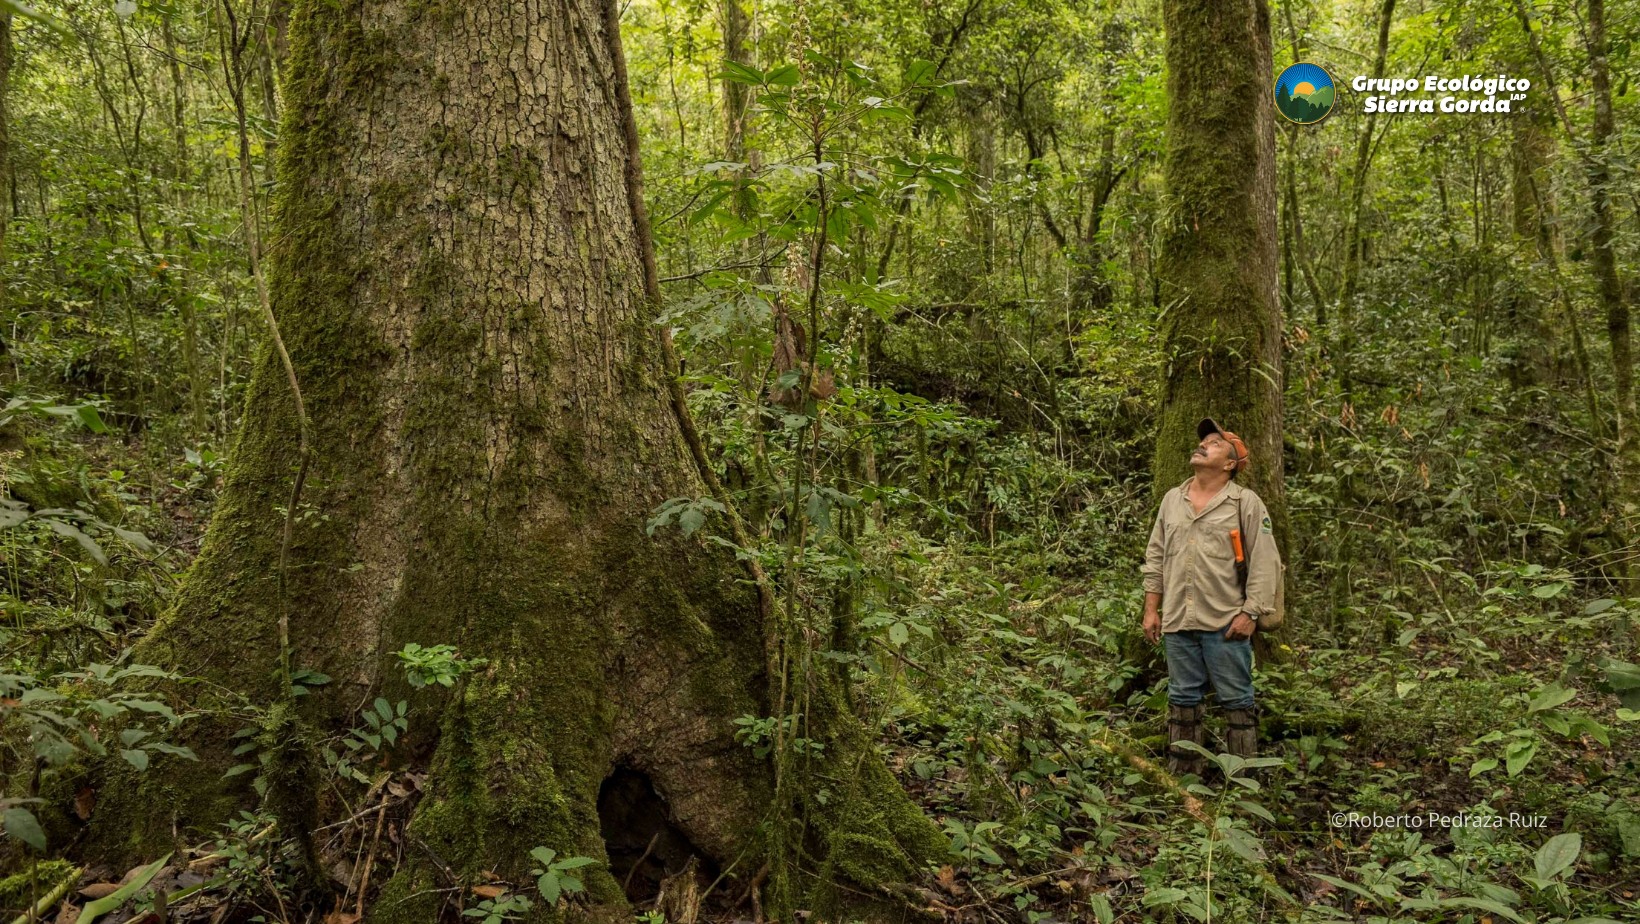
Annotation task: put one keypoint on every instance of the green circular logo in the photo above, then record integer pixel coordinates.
(1304, 93)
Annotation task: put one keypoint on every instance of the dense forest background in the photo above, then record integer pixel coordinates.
(967, 488)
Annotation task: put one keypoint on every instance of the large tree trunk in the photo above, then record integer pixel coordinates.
(1221, 326)
(459, 272)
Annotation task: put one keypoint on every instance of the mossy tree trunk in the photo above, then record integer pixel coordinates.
(1534, 220)
(1221, 323)
(5, 147)
(1610, 286)
(458, 266)
(1355, 243)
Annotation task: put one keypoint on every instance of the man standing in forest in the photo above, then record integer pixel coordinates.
(1211, 571)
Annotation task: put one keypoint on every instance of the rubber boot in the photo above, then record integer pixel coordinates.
(1242, 736)
(1184, 723)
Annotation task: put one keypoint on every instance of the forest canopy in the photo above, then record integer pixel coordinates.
(676, 461)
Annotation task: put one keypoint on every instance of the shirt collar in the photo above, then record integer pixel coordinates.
(1230, 490)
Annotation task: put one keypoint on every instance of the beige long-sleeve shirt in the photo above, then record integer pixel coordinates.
(1190, 560)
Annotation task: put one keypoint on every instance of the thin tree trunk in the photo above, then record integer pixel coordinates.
(181, 175)
(1532, 219)
(1598, 170)
(1605, 260)
(736, 95)
(7, 181)
(1354, 245)
(1301, 253)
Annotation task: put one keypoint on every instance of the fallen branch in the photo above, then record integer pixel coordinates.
(370, 858)
(50, 899)
(1106, 739)
(1193, 806)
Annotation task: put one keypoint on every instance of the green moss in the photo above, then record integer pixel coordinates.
(530, 555)
(21, 889)
(412, 896)
(508, 777)
(139, 815)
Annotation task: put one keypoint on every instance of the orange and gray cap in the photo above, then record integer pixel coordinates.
(1237, 448)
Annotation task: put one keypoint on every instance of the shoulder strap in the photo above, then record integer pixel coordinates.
(1246, 565)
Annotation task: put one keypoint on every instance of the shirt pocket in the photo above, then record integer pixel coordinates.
(1172, 539)
(1213, 534)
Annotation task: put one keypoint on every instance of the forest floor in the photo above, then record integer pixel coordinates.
(1471, 721)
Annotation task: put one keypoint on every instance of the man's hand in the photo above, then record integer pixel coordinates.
(1241, 627)
(1153, 626)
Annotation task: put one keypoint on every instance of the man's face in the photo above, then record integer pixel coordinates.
(1212, 454)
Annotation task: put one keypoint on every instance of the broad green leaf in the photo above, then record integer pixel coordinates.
(1349, 886)
(71, 531)
(1244, 844)
(94, 910)
(1155, 897)
(1558, 854)
(1256, 809)
(23, 9)
(1550, 696)
(919, 72)
(690, 520)
(786, 75)
(740, 73)
(1520, 754)
(1481, 904)
(85, 413)
(20, 823)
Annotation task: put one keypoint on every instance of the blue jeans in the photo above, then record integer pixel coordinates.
(1194, 657)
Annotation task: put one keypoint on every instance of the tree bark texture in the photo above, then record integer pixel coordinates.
(459, 273)
(5, 133)
(1221, 323)
(1605, 259)
(5, 151)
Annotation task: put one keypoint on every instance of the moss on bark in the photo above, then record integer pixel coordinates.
(457, 273)
(1221, 327)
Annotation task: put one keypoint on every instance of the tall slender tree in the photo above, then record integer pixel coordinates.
(1597, 167)
(1221, 323)
(460, 265)
(5, 150)
(1355, 242)
(1602, 243)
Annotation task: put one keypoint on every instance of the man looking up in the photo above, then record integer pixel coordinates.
(1211, 570)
